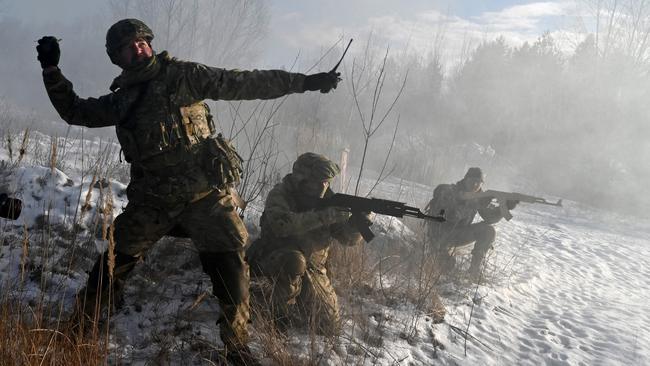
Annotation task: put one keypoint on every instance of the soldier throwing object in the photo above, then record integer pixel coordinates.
(181, 174)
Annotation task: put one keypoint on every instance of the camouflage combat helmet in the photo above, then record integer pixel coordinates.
(123, 32)
(314, 166)
(476, 173)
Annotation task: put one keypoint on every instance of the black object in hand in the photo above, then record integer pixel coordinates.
(48, 51)
(323, 81)
(511, 204)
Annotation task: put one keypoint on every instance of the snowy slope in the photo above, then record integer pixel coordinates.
(564, 286)
(575, 292)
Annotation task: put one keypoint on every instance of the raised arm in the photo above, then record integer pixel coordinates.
(91, 112)
(205, 82)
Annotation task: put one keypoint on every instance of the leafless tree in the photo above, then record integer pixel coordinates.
(217, 32)
(372, 82)
(622, 25)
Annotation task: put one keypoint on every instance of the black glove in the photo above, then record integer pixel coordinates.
(323, 81)
(511, 204)
(48, 51)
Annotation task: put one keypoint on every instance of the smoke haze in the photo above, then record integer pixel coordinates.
(562, 113)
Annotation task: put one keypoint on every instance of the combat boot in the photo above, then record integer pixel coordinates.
(241, 356)
(97, 295)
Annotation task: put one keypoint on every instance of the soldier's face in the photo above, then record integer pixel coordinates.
(135, 52)
(473, 184)
(314, 188)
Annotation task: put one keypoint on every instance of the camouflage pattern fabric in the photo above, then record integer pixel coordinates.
(314, 166)
(212, 222)
(459, 229)
(163, 125)
(293, 250)
(165, 131)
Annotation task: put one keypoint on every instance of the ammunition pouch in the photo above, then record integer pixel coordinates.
(224, 165)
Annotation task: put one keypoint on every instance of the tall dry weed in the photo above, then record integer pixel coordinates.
(31, 341)
(10, 149)
(23, 146)
(53, 153)
(25, 255)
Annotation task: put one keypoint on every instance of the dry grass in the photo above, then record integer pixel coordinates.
(37, 331)
(27, 339)
(390, 275)
(350, 267)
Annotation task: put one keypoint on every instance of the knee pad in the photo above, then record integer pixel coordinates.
(293, 263)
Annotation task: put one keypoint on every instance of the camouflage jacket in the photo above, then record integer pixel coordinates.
(459, 213)
(289, 224)
(163, 125)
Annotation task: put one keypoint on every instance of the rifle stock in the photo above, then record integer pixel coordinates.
(358, 205)
(503, 197)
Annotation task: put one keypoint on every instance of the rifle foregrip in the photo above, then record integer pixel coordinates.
(505, 212)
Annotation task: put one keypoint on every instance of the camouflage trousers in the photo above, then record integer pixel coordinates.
(481, 234)
(217, 232)
(302, 293)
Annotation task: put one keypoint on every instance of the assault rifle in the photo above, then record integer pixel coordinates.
(10, 208)
(503, 197)
(357, 205)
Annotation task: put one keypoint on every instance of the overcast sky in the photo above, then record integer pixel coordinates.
(309, 26)
(300, 25)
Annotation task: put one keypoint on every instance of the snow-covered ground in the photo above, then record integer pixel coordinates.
(564, 286)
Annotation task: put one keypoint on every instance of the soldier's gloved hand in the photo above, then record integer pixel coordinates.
(511, 204)
(323, 81)
(48, 51)
(332, 215)
(362, 218)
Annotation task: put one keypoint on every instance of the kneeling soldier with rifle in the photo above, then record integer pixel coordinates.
(295, 241)
(302, 218)
(461, 202)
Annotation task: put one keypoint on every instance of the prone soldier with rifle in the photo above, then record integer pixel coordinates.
(461, 202)
(302, 218)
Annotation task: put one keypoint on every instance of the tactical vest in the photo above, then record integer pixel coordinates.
(168, 137)
(314, 244)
